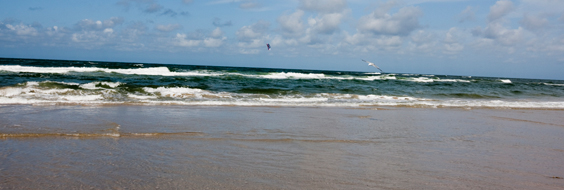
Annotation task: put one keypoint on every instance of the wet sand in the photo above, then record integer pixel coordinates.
(191, 147)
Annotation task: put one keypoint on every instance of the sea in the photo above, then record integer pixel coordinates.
(68, 82)
(106, 125)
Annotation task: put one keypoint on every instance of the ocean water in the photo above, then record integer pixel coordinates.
(53, 82)
(257, 128)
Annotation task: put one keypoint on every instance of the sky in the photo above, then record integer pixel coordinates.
(505, 38)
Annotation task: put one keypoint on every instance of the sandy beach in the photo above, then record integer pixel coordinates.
(193, 147)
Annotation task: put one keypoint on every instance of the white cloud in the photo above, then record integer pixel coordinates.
(320, 30)
(23, 30)
(497, 29)
(133, 33)
(452, 40)
(215, 39)
(153, 7)
(180, 40)
(292, 24)
(222, 2)
(249, 51)
(168, 28)
(323, 6)
(374, 42)
(280, 41)
(500, 33)
(500, 9)
(252, 37)
(216, 33)
(250, 5)
(310, 38)
(252, 32)
(401, 23)
(557, 45)
(382, 31)
(421, 37)
(467, 14)
(452, 48)
(450, 36)
(214, 42)
(394, 41)
(108, 31)
(217, 22)
(422, 41)
(555, 7)
(87, 24)
(327, 23)
(534, 23)
(52, 30)
(92, 39)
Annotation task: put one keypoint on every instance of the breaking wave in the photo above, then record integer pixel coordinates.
(52, 82)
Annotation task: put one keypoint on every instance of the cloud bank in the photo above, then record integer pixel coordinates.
(311, 27)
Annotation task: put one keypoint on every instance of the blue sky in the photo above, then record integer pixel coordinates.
(505, 38)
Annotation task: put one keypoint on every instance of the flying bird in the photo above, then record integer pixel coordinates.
(372, 64)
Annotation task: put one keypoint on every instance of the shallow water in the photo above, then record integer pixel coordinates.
(192, 147)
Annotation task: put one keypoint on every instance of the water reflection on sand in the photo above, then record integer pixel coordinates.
(188, 147)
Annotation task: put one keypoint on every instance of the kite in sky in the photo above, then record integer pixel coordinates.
(268, 46)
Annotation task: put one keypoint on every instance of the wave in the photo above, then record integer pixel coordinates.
(165, 71)
(84, 83)
(108, 93)
(552, 84)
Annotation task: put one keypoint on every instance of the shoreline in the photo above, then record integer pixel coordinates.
(368, 107)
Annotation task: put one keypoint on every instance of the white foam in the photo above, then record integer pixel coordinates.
(164, 71)
(33, 93)
(81, 98)
(422, 79)
(29, 69)
(32, 83)
(373, 78)
(173, 91)
(189, 96)
(291, 75)
(30, 90)
(92, 85)
(141, 97)
(553, 84)
(186, 93)
(451, 80)
(67, 83)
(295, 100)
(10, 91)
(505, 80)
